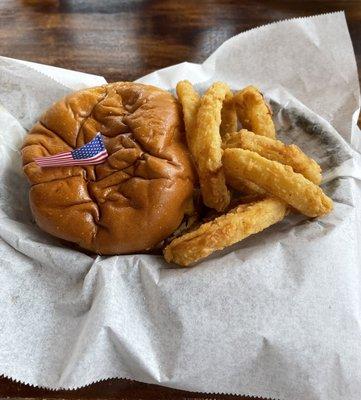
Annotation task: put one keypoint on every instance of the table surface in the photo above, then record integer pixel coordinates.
(122, 40)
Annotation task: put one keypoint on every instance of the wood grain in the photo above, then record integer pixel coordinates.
(123, 40)
(110, 389)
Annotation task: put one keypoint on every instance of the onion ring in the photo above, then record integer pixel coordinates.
(253, 112)
(279, 180)
(275, 150)
(230, 228)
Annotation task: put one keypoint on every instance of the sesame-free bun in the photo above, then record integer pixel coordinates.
(135, 198)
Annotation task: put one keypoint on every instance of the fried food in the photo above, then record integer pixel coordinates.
(206, 147)
(276, 177)
(279, 180)
(203, 138)
(190, 101)
(244, 186)
(239, 223)
(253, 112)
(229, 122)
(275, 150)
(215, 193)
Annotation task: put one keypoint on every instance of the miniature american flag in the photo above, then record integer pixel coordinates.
(91, 153)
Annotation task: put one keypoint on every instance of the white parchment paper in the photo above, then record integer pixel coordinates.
(276, 316)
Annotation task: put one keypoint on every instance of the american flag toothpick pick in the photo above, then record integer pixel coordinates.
(94, 152)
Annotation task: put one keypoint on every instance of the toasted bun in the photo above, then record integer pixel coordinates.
(134, 199)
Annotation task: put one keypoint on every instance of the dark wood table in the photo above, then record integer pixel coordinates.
(123, 40)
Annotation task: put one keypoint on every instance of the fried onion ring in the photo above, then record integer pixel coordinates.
(236, 225)
(253, 112)
(206, 147)
(229, 120)
(279, 180)
(190, 101)
(275, 150)
(244, 186)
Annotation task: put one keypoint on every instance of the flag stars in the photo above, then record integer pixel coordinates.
(92, 153)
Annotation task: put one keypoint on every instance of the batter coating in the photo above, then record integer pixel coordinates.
(206, 147)
(230, 228)
(275, 150)
(279, 180)
(253, 112)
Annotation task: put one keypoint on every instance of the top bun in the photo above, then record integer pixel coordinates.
(135, 198)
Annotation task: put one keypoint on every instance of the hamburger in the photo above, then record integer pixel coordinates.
(133, 200)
